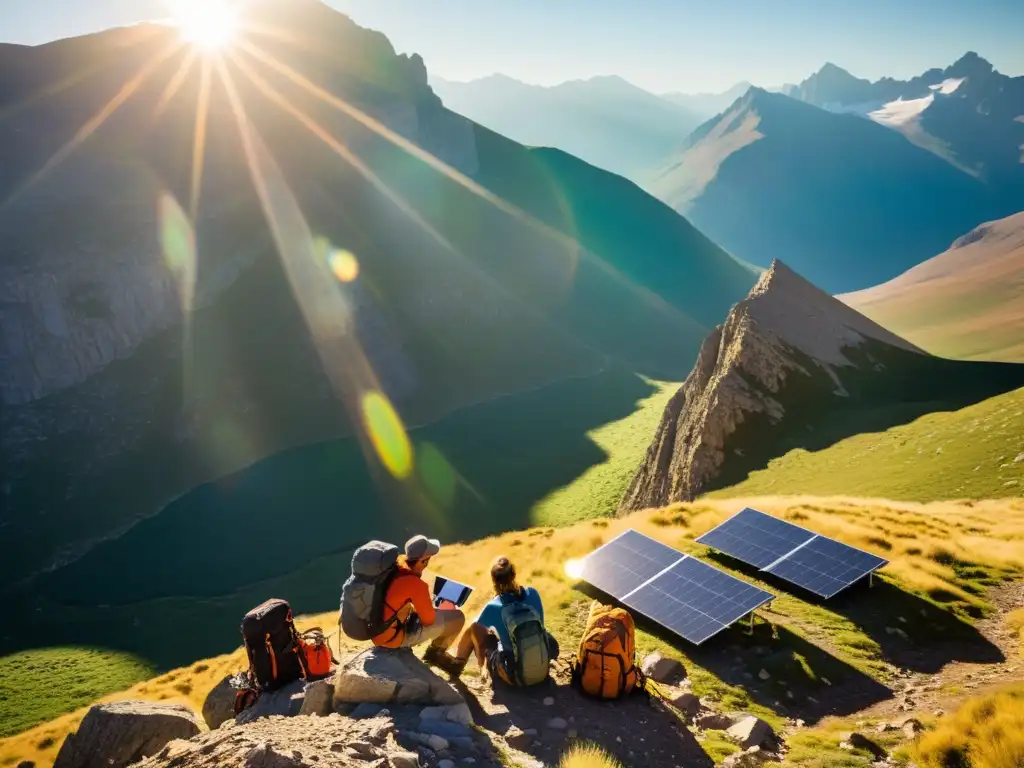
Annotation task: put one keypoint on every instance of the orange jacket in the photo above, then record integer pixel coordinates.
(407, 593)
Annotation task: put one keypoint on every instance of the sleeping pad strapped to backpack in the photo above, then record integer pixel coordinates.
(529, 642)
(362, 596)
(273, 645)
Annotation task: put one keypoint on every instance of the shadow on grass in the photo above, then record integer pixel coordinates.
(773, 666)
(631, 730)
(175, 586)
(910, 632)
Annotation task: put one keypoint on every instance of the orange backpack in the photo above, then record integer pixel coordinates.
(317, 653)
(605, 665)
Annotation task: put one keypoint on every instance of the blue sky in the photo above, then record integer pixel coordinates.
(662, 45)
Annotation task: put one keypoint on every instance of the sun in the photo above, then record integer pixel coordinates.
(207, 24)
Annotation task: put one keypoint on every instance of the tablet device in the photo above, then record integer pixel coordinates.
(450, 594)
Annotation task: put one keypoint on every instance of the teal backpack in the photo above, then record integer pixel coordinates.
(529, 642)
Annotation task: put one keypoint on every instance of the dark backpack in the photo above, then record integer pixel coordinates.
(272, 645)
(374, 565)
(529, 642)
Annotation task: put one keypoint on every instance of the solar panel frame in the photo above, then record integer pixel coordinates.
(814, 569)
(695, 600)
(659, 575)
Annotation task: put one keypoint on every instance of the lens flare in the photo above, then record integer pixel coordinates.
(438, 477)
(178, 243)
(387, 434)
(574, 569)
(343, 264)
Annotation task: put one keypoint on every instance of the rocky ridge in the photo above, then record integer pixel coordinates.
(792, 367)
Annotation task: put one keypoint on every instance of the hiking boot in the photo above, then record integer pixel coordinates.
(439, 657)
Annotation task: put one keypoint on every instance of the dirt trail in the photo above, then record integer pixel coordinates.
(924, 694)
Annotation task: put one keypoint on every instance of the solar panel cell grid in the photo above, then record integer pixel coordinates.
(825, 566)
(755, 538)
(696, 600)
(816, 563)
(626, 562)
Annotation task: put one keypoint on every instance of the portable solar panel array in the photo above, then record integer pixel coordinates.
(817, 563)
(679, 592)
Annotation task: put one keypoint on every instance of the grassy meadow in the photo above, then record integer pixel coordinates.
(976, 452)
(826, 660)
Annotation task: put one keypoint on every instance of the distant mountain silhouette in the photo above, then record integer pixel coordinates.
(967, 113)
(710, 104)
(848, 203)
(606, 121)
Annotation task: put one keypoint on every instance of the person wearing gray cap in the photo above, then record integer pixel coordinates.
(408, 596)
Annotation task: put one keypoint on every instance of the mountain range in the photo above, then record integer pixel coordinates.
(968, 113)
(605, 121)
(136, 366)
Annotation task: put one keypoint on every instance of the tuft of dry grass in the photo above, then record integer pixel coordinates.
(986, 732)
(587, 756)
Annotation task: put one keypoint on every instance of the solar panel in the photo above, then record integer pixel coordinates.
(695, 600)
(679, 592)
(825, 566)
(626, 562)
(817, 563)
(756, 538)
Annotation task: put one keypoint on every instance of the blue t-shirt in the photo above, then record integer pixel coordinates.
(490, 616)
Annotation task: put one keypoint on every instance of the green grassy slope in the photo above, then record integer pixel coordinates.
(36, 686)
(975, 452)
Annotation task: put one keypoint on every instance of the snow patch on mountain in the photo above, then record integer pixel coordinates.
(948, 85)
(898, 113)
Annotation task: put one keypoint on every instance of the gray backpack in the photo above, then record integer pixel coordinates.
(362, 596)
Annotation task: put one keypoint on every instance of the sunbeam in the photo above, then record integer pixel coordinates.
(175, 83)
(199, 138)
(573, 248)
(94, 123)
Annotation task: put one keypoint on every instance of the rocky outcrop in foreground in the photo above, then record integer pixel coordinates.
(120, 733)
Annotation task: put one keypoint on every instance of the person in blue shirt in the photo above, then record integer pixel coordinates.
(488, 637)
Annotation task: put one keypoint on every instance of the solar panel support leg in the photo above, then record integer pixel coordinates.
(750, 631)
(871, 580)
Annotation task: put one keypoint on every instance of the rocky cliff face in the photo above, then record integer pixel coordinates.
(791, 367)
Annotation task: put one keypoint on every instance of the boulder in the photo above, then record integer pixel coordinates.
(383, 676)
(715, 721)
(318, 697)
(286, 701)
(686, 702)
(750, 731)
(122, 732)
(662, 669)
(912, 727)
(219, 706)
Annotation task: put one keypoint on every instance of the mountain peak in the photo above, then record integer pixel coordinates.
(809, 319)
(970, 64)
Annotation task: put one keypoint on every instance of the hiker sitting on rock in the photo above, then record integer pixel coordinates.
(508, 636)
(408, 596)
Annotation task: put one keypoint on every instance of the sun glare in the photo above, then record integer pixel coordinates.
(207, 24)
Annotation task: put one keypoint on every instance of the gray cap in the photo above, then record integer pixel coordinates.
(419, 547)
